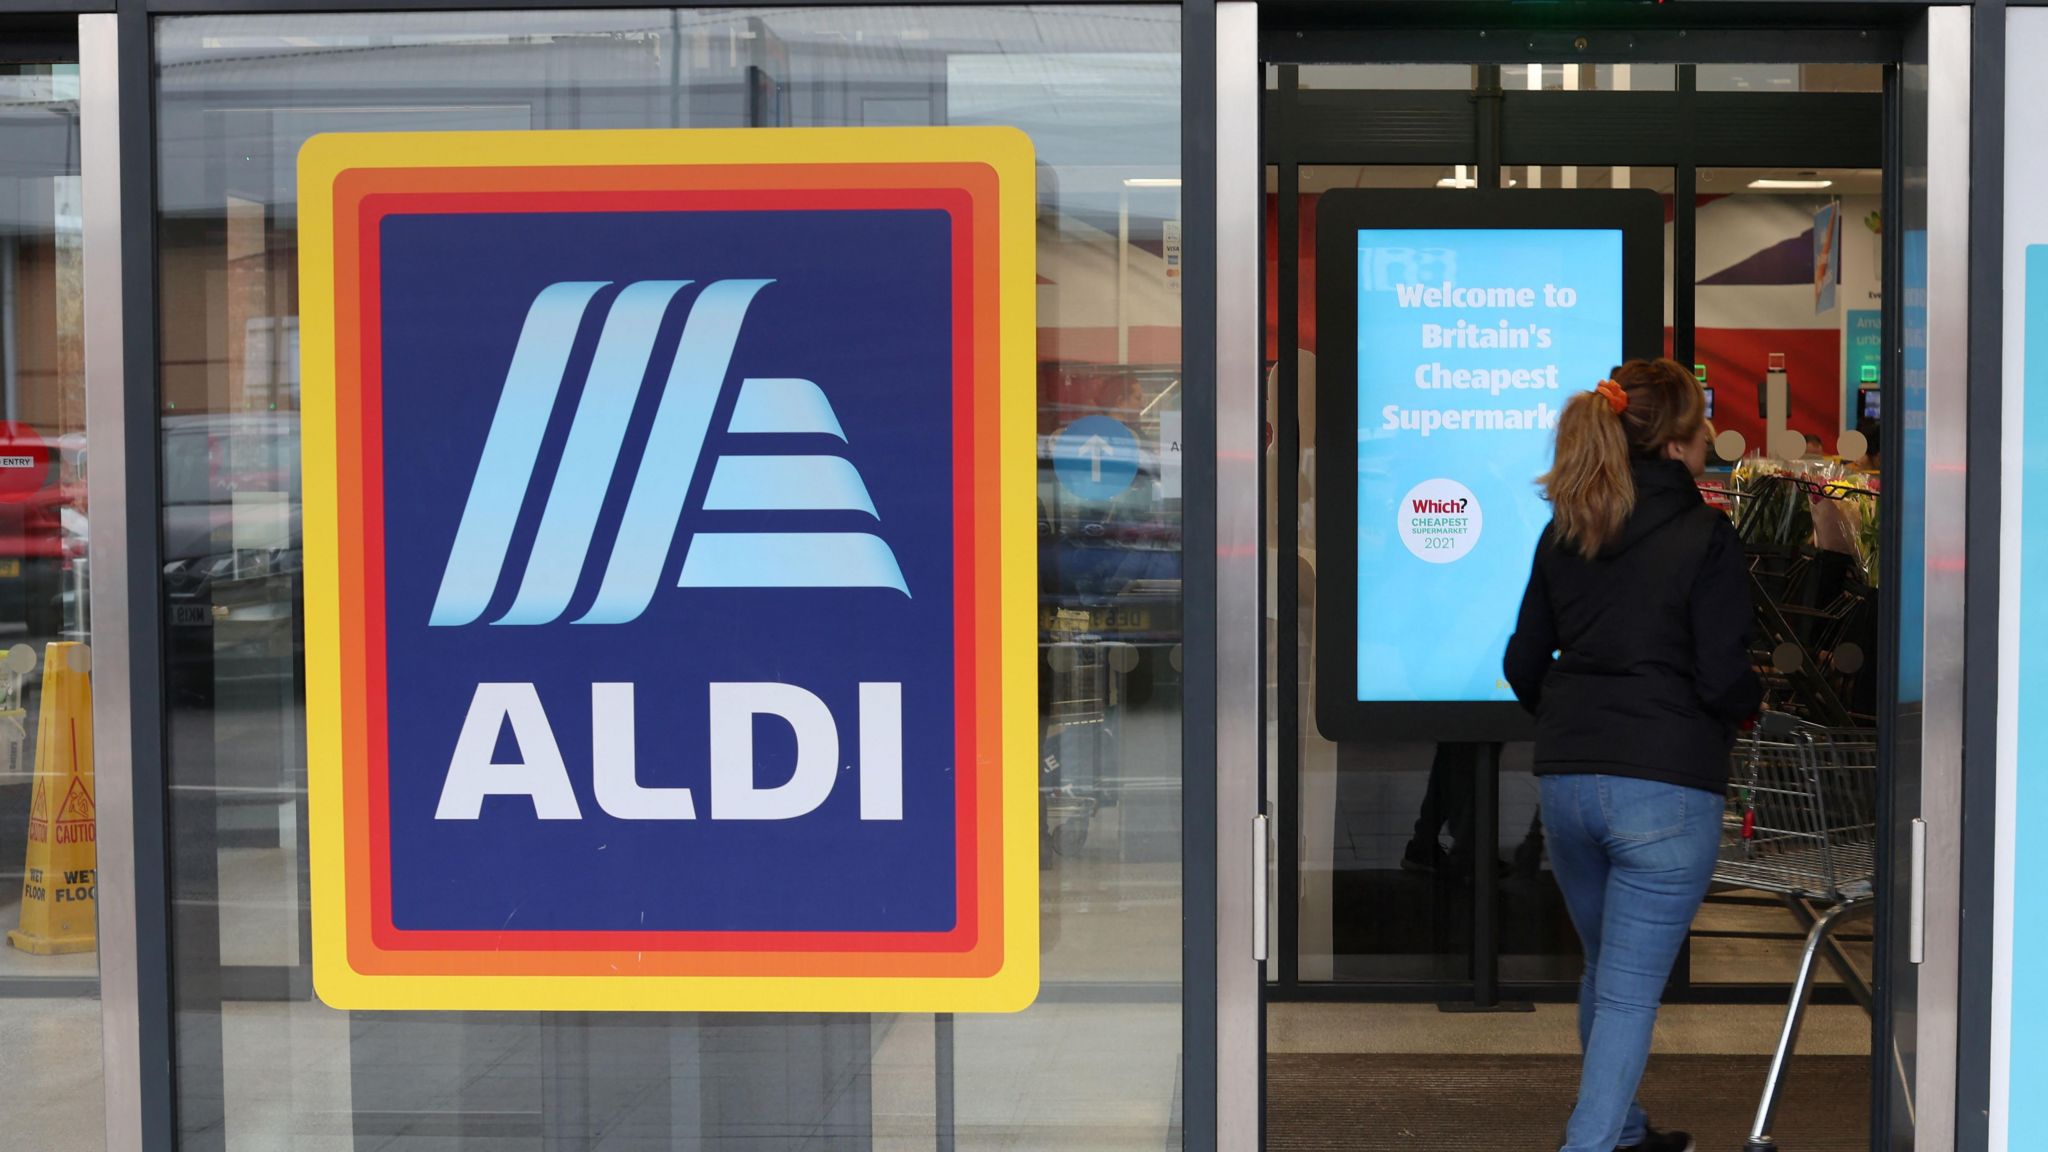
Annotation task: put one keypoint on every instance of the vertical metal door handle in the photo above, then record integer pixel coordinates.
(1259, 825)
(1916, 889)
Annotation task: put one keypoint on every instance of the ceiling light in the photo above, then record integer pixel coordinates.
(1791, 185)
(1152, 182)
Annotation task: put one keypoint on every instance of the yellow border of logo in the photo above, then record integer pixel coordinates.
(1007, 153)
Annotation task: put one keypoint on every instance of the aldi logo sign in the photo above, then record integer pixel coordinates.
(670, 569)
(746, 481)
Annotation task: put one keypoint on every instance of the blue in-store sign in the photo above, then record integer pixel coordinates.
(1095, 457)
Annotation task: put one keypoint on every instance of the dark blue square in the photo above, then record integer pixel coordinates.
(861, 304)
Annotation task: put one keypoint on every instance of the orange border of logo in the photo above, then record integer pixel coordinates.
(992, 964)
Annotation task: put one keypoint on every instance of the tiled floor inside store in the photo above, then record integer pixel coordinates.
(1551, 1030)
(1420, 1081)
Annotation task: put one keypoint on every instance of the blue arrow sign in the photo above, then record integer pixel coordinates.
(1095, 458)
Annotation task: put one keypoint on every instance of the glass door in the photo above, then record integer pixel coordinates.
(1415, 873)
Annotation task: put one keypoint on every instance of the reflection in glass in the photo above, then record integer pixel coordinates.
(1790, 77)
(49, 966)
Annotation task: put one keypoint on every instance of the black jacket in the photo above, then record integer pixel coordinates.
(1636, 663)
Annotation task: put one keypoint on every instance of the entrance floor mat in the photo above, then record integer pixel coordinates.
(1370, 1103)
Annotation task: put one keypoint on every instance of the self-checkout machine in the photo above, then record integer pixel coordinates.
(1774, 405)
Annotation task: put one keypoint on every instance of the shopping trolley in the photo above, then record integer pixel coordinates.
(1078, 750)
(15, 665)
(1801, 822)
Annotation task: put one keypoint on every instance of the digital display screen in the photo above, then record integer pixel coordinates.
(1470, 342)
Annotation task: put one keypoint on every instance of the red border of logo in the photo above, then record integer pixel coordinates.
(362, 198)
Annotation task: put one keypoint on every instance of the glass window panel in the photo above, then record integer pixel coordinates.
(1456, 77)
(49, 965)
(1589, 77)
(263, 1064)
(1790, 77)
(1463, 77)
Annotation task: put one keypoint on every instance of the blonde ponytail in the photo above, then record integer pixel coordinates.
(1589, 485)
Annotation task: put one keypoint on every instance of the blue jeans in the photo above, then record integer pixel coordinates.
(1633, 858)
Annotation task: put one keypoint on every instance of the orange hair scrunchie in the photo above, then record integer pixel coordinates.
(1617, 399)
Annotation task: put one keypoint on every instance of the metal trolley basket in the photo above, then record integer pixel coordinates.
(1801, 822)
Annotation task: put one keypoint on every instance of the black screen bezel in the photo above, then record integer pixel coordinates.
(1638, 214)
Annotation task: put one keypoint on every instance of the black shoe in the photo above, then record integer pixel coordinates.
(1423, 855)
(1657, 1141)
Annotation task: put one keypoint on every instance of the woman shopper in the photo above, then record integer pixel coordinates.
(1632, 652)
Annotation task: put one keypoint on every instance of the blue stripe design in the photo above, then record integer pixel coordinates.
(510, 451)
(655, 508)
(592, 453)
(790, 560)
(787, 484)
(789, 406)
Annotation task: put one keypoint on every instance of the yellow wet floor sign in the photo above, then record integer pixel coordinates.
(57, 893)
